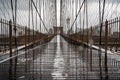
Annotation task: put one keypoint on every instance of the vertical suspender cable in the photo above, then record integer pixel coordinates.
(56, 11)
(14, 23)
(87, 36)
(16, 49)
(40, 38)
(40, 15)
(76, 34)
(61, 12)
(32, 40)
(99, 52)
(101, 24)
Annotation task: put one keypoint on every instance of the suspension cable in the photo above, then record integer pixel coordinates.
(39, 15)
(77, 14)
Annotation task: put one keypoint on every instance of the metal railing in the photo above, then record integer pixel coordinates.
(106, 57)
(24, 35)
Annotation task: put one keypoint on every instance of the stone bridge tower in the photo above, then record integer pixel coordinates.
(58, 30)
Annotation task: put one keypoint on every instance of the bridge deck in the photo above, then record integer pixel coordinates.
(58, 60)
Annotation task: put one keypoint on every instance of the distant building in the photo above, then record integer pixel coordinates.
(70, 31)
(51, 31)
(3, 35)
(116, 34)
(20, 31)
(96, 31)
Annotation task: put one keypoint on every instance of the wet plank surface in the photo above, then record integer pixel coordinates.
(58, 60)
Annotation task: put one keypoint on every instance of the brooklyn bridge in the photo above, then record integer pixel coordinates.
(59, 40)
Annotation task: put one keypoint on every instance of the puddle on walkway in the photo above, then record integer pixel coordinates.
(59, 64)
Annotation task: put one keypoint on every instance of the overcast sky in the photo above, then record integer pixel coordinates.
(48, 11)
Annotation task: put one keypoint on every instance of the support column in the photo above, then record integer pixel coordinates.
(10, 49)
(106, 45)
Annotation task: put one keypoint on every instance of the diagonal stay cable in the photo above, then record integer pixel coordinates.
(77, 14)
(39, 15)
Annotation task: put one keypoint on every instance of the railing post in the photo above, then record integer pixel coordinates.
(26, 49)
(91, 42)
(25, 38)
(10, 47)
(119, 32)
(106, 45)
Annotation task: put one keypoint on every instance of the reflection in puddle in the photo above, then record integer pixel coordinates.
(59, 63)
